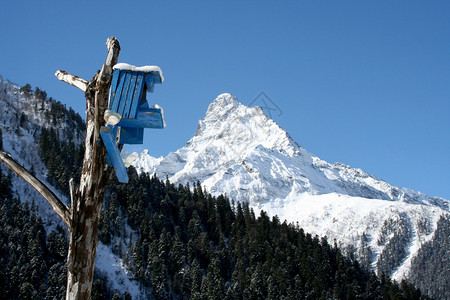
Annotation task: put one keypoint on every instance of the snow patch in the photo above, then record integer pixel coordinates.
(145, 69)
(114, 268)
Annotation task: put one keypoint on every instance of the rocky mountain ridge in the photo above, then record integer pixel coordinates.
(234, 139)
(239, 151)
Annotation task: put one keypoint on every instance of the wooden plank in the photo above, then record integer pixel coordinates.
(118, 93)
(129, 98)
(114, 84)
(137, 94)
(156, 77)
(146, 118)
(113, 153)
(124, 94)
(143, 104)
(149, 82)
(130, 135)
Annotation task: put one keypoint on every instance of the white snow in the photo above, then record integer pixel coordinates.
(117, 273)
(145, 69)
(344, 218)
(237, 140)
(240, 152)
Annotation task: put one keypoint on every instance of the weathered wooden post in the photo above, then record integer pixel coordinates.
(133, 114)
(86, 201)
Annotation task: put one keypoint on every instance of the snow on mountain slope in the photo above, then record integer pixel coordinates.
(346, 220)
(22, 119)
(238, 151)
(19, 140)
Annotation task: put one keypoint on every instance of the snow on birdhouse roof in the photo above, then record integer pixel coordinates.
(145, 69)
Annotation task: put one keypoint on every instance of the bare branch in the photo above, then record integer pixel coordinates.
(72, 193)
(113, 53)
(61, 210)
(72, 79)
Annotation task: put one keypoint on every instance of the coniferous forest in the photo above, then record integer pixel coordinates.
(188, 245)
(179, 242)
(192, 245)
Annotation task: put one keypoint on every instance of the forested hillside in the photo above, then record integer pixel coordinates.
(188, 245)
(192, 245)
(178, 241)
(429, 271)
(33, 261)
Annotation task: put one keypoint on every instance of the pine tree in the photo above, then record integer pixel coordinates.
(178, 254)
(26, 90)
(27, 291)
(257, 289)
(5, 186)
(214, 282)
(196, 280)
(40, 94)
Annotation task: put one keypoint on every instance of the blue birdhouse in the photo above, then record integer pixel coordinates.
(128, 111)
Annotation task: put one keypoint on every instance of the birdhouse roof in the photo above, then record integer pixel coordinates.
(144, 69)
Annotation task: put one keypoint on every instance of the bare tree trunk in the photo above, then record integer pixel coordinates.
(87, 200)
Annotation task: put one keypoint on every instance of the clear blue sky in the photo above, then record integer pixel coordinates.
(365, 83)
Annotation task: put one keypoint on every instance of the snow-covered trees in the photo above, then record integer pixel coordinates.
(186, 250)
(30, 268)
(429, 270)
(396, 234)
(26, 90)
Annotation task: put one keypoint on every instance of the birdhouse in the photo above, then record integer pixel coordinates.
(128, 111)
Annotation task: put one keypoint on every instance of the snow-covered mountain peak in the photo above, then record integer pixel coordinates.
(240, 152)
(223, 103)
(241, 129)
